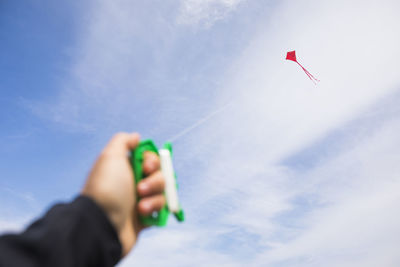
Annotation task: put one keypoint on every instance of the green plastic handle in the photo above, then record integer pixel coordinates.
(137, 156)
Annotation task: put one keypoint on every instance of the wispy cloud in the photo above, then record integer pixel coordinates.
(357, 221)
(134, 61)
(205, 12)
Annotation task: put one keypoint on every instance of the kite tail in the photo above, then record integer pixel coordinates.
(311, 75)
(312, 78)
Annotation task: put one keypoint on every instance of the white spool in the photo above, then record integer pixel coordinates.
(169, 175)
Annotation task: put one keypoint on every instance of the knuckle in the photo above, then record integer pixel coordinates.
(163, 200)
(161, 180)
(151, 156)
(160, 201)
(119, 136)
(143, 207)
(156, 202)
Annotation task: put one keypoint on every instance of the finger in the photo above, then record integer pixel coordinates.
(152, 185)
(151, 204)
(122, 143)
(151, 162)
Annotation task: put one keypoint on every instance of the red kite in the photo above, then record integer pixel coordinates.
(291, 55)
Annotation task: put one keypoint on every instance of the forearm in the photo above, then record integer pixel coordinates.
(76, 234)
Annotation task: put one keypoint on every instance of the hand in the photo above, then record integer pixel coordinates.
(111, 185)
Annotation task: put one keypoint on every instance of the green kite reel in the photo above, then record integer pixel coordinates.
(171, 193)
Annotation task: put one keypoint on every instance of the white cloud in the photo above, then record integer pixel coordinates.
(119, 45)
(358, 224)
(132, 58)
(205, 12)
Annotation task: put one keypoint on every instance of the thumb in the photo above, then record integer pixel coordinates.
(122, 143)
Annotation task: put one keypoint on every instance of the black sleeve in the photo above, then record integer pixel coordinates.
(77, 234)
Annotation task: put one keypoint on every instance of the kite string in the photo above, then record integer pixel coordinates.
(200, 122)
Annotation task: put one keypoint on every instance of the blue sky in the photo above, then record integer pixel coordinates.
(286, 173)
